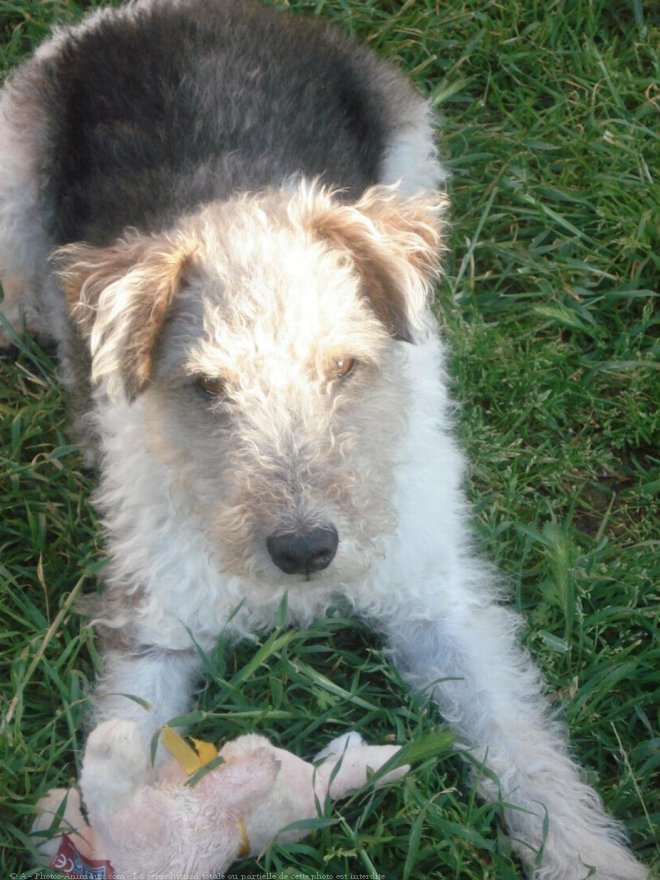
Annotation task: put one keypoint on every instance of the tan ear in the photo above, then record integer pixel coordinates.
(395, 244)
(119, 297)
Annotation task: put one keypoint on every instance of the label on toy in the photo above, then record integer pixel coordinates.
(69, 862)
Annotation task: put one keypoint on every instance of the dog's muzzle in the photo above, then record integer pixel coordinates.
(303, 552)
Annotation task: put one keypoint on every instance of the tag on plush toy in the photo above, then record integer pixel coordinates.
(68, 861)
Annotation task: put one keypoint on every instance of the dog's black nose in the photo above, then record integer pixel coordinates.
(303, 552)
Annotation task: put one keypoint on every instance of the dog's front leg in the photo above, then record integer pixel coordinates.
(146, 684)
(468, 660)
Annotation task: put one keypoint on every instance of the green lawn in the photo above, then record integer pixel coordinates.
(549, 123)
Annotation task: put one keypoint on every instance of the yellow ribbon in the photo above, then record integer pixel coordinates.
(191, 759)
(245, 847)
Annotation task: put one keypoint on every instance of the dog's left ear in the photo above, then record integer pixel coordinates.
(119, 297)
(395, 243)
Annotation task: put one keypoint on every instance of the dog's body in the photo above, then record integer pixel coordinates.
(269, 402)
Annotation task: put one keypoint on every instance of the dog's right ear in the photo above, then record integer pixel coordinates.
(119, 297)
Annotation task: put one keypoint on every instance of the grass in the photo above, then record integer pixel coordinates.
(548, 113)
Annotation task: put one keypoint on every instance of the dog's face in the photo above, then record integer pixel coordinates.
(263, 342)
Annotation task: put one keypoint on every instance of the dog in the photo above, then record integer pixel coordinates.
(230, 220)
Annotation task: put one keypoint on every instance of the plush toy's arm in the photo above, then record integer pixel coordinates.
(301, 787)
(355, 758)
(353, 770)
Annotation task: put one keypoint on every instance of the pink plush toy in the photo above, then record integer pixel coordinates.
(144, 825)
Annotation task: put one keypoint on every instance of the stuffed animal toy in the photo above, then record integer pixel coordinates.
(197, 813)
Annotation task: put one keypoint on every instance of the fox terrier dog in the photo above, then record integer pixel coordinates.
(229, 221)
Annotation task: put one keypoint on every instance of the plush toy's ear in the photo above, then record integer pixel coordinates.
(395, 245)
(119, 297)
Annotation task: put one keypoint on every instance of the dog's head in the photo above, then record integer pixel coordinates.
(263, 343)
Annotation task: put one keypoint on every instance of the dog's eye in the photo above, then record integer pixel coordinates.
(210, 387)
(341, 367)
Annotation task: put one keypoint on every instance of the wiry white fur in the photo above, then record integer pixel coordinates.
(411, 159)
(285, 412)
(416, 577)
(187, 505)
